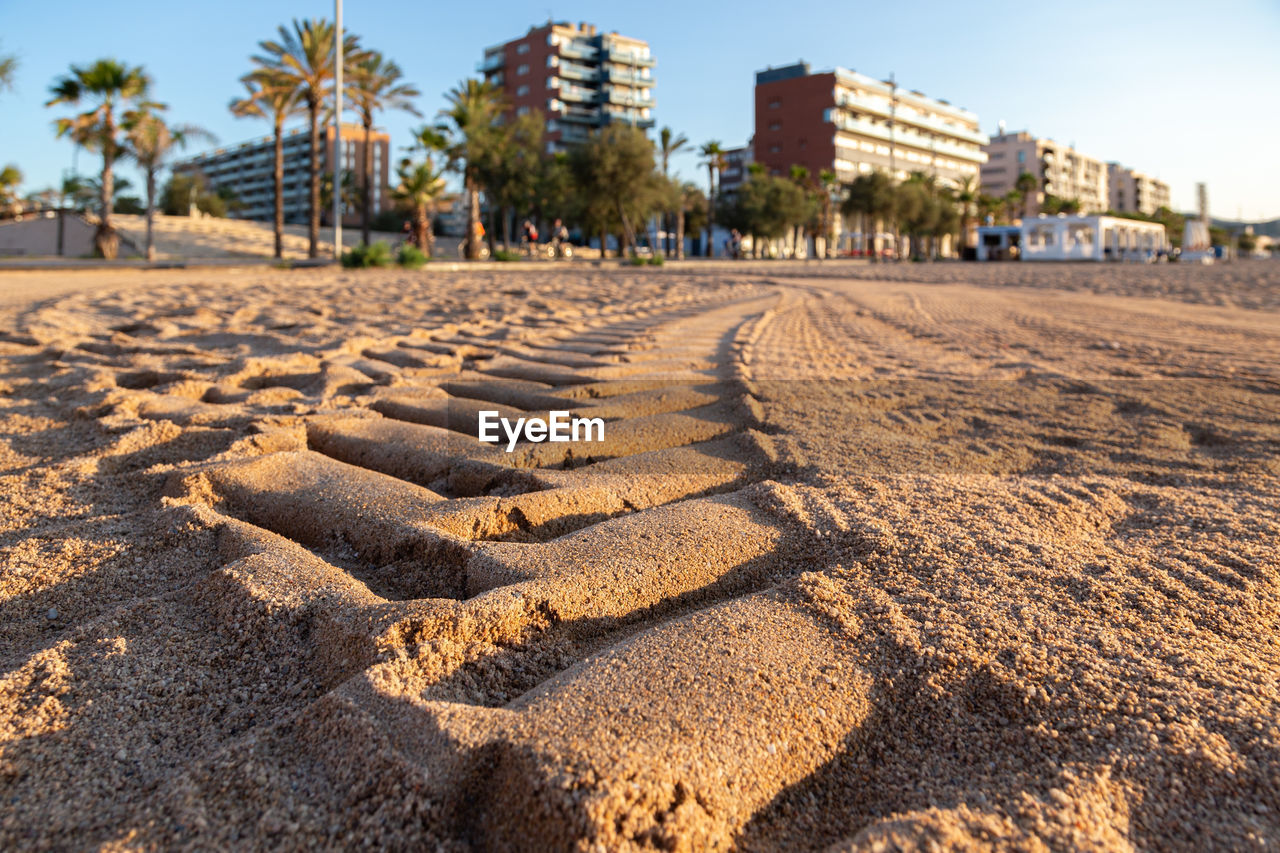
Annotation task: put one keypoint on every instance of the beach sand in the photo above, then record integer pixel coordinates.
(873, 557)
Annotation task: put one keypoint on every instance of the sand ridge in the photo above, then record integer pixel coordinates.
(896, 558)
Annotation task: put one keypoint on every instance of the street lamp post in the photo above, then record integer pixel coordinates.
(337, 131)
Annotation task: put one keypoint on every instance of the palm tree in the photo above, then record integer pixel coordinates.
(966, 197)
(1027, 186)
(799, 176)
(151, 141)
(828, 183)
(713, 156)
(669, 143)
(8, 69)
(375, 85)
(422, 184)
(108, 85)
(270, 95)
(872, 195)
(10, 179)
(474, 111)
(303, 56)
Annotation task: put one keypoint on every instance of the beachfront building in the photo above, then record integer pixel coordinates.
(578, 77)
(1088, 238)
(1059, 171)
(853, 124)
(248, 170)
(1134, 192)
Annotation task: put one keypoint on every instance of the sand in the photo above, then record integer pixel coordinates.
(895, 557)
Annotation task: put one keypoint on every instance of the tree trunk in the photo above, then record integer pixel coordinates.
(151, 211)
(473, 219)
(105, 241)
(278, 176)
(506, 228)
(680, 234)
(603, 238)
(313, 224)
(367, 164)
(422, 230)
(711, 211)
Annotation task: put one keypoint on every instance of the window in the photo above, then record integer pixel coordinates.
(523, 69)
(775, 149)
(1022, 156)
(522, 91)
(522, 48)
(775, 103)
(777, 125)
(522, 110)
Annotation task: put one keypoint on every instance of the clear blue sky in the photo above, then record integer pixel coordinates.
(1117, 79)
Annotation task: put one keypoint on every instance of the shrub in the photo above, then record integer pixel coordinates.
(636, 261)
(657, 261)
(411, 257)
(507, 255)
(363, 256)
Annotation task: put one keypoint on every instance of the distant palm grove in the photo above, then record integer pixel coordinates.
(613, 187)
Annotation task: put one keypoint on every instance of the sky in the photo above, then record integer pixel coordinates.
(1185, 91)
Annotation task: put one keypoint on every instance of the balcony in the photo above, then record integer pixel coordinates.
(580, 94)
(577, 50)
(491, 62)
(626, 98)
(628, 78)
(575, 134)
(882, 107)
(578, 72)
(907, 138)
(580, 115)
(628, 57)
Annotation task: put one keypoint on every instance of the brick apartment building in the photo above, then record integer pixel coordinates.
(247, 170)
(578, 77)
(853, 124)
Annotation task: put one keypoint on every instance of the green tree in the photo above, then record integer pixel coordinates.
(271, 95)
(185, 190)
(303, 57)
(616, 173)
(151, 142)
(713, 158)
(474, 115)
(691, 216)
(512, 169)
(763, 206)
(107, 86)
(376, 85)
(872, 196)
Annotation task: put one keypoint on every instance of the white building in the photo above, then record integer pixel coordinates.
(1076, 238)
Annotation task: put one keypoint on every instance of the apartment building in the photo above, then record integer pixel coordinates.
(248, 170)
(737, 166)
(1134, 192)
(1059, 171)
(854, 124)
(578, 77)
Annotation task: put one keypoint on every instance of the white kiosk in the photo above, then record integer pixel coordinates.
(1092, 238)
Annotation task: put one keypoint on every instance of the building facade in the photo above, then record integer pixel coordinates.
(578, 77)
(737, 165)
(1134, 192)
(1059, 171)
(853, 124)
(248, 170)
